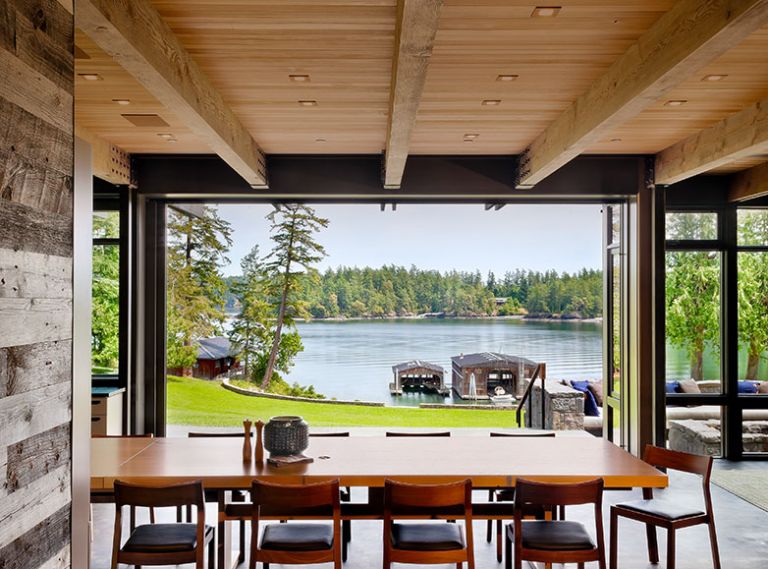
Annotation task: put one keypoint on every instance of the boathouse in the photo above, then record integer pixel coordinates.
(491, 370)
(418, 375)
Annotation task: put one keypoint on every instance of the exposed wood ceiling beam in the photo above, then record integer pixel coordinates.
(416, 27)
(135, 35)
(735, 137)
(684, 40)
(109, 162)
(750, 184)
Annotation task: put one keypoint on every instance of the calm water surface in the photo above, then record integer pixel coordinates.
(354, 359)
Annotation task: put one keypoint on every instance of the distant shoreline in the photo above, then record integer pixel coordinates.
(422, 317)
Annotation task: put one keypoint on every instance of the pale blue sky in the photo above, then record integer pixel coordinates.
(442, 237)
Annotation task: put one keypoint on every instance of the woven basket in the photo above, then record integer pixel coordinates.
(286, 435)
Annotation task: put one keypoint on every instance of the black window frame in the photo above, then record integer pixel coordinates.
(107, 197)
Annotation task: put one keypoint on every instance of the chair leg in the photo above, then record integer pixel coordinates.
(713, 544)
(670, 549)
(212, 554)
(241, 555)
(344, 548)
(653, 545)
(614, 546)
(581, 565)
(507, 554)
(489, 524)
(346, 530)
(498, 540)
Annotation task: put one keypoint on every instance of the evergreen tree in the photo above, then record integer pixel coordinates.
(293, 228)
(197, 248)
(250, 333)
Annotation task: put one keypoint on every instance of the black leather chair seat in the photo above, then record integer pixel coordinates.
(554, 536)
(662, 509)
(427, 537)
(163, 538)
(505, 495)
(297, 537)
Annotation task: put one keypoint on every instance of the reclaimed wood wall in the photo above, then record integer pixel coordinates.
(36, 168)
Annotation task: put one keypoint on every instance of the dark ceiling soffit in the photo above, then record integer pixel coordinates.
(699, 191)
(475, 179)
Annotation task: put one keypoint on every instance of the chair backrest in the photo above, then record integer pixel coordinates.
(185, 494)
(321, 498)
(524, 434)
(529, 493)
(676, 460)
(417, 434)
(228, 434)
(419, 499)
(337, 434)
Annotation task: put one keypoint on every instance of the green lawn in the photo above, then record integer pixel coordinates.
(206, 403)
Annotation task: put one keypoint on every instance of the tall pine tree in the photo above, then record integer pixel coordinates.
(293, 228)
(197, 248)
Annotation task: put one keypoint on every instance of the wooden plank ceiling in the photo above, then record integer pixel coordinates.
(265, 58)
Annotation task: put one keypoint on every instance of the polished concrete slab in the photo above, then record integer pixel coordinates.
(742, 530)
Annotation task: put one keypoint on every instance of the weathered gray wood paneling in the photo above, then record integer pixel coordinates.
(27, 368)
(36, 168)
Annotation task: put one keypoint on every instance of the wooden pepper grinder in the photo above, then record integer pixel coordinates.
(259, 442)
(247, 440)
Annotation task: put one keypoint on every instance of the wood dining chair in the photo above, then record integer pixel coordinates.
(508, 494)
(418, 434)
(212, 496)
(555, 541)
(428, 542)
(296, 543)
(664, 512)
(345, 495)
(162, 543)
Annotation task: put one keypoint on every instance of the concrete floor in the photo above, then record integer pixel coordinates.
(742, 529)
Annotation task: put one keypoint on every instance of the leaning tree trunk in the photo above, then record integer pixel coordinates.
(276, 342)
(697, 365)
(753, 363)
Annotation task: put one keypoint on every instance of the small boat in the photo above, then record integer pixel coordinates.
(501, 397)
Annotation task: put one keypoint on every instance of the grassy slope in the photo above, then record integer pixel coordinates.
(198, 402)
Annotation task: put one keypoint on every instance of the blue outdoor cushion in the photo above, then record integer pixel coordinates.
(590, 404)
(673, 387)
(748, 387)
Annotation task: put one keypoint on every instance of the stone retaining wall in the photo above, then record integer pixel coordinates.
(241, 391)
(704, 437)
(468, 407)
(564, 407)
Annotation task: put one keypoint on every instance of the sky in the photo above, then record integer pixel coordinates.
(441, 237)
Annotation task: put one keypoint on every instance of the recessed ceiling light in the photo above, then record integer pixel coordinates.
(675, 103)
(615, 140)
(320, 140)
(545, 11)
(491, 102)
(506, 77)
(714, 77)
(171, 140)
(471, 136)
(308, 103)
(90, 76)
(299, 78)
(166, 135)
(123, 102)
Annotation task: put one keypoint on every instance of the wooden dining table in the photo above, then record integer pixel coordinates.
(367, 461)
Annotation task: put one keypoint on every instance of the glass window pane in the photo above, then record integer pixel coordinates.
(106, 310)
(753, 320)
(753, 227)
(696, 226)
(615, 217)
(693, 321)
(615, 299)
(106, 224)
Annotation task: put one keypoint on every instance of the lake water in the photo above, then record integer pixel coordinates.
(354, 359)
